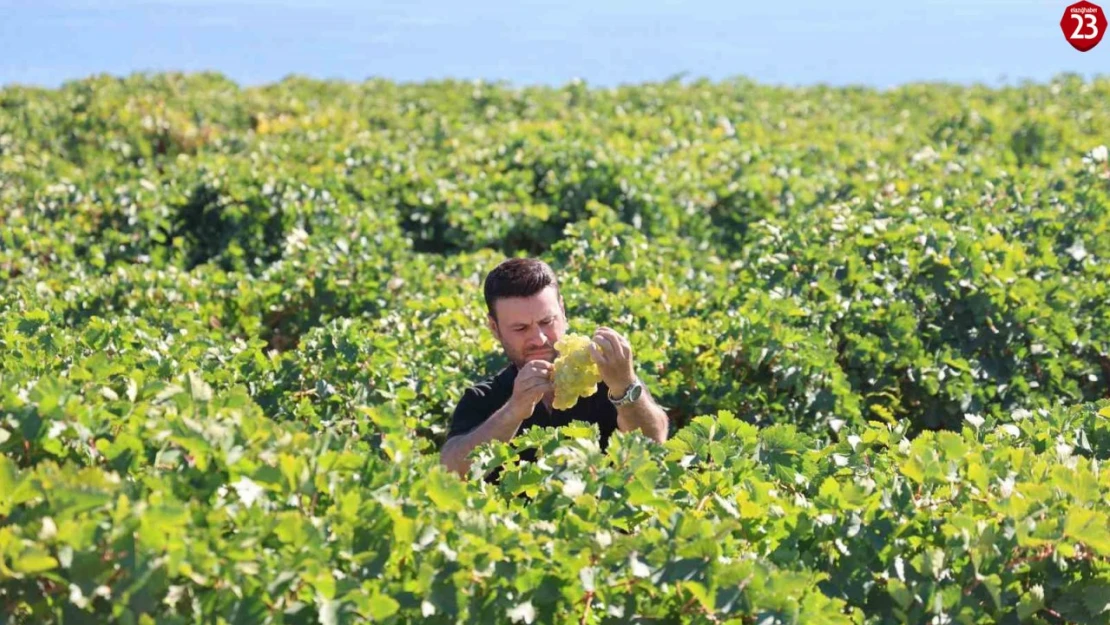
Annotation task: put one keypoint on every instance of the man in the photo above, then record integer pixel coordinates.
(527, 315)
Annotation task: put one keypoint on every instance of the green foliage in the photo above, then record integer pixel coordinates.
(234, 323)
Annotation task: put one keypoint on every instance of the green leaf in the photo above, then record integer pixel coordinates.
(913, 469)
(324, 583)
(34, 560)
(383, 607)
(1090, 527)
(1030, 603)
(1096, 597)
(8, 481)
(445, 490)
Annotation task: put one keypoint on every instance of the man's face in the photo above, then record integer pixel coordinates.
(529, 326)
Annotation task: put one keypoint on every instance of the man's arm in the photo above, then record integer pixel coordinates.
(613, 355)
(644, 414)
(501, 425)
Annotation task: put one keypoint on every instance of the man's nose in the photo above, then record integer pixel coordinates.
(541, 338)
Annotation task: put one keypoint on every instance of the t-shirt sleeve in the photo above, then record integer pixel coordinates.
(474, 407)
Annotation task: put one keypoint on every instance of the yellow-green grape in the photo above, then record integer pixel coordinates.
(576, 373)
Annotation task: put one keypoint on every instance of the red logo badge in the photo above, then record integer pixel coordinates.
(1083, 24)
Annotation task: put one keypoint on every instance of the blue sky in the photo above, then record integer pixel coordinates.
(881, 44)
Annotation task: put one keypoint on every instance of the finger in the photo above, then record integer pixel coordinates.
(620, 344)
(606, 330)
(530, 374)
(596, 344)
(606, 345)
(537, 384)
(611, 334)
(598, 355)
(611, 341)
(538, 374)
(624, 345)
(539, 391)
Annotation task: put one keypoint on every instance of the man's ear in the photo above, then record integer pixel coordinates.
(492, 324)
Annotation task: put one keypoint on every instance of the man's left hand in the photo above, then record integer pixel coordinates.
(613, 355)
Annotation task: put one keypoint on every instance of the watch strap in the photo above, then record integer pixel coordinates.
(626, 398)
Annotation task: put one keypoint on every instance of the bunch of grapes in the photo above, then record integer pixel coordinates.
(576, 373)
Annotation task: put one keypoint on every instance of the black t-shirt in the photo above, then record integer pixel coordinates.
(483, 399)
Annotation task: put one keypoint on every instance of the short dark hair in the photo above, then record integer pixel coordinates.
(517, 277)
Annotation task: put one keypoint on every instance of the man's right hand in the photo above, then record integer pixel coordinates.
(533, 381)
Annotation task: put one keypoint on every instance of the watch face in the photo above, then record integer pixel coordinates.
(631, 395)
(634, 393)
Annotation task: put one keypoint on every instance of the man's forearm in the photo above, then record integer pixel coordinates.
(502, 425)
(643, 414)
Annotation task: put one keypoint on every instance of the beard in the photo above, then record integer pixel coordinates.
(520, 359)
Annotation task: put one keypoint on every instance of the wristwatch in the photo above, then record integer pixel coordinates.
(630, 395)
